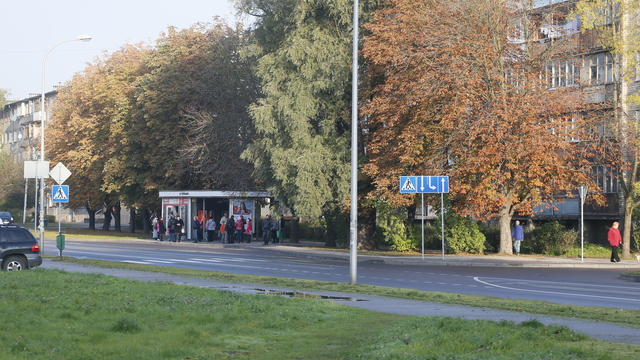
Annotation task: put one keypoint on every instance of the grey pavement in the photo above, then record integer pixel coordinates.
(596, 330)
(306, 249)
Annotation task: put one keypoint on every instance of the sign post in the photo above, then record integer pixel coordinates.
(422, 185)
(35, 170)
(60, 194)
(583, 194)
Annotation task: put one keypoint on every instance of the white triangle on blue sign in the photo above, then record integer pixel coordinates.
(408, 185)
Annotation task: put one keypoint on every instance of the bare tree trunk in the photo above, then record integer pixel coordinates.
(107, 218)
(92, 218)
(116, 219)
(332, 224)
(146, 221)
(295, 230)
(132, 220)
(367, 229)
(505, 234)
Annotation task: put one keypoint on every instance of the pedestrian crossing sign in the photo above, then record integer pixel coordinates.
(408, 184)
(60, 193)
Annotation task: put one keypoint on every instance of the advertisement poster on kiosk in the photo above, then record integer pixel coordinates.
(242, 207)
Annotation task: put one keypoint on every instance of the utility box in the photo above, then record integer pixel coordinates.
(60, 242)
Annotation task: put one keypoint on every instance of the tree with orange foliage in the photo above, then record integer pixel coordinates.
(89, 127)
(460, 94)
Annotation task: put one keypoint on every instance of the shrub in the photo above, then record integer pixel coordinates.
(492, 235)
(462, 234)
(636, 236)
(590, 251)
(312, 231)
(552, 239)
(393, 231)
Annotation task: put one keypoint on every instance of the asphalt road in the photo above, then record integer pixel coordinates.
(570, 286)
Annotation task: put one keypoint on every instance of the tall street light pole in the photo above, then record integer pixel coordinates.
(43, 118)
(353, 226)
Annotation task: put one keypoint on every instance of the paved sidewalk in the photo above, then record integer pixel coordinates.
(596, 330)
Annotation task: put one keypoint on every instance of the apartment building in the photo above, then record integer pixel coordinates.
(20, 122)
(20, 126)
(588, 67)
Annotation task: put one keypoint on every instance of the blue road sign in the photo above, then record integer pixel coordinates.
(424, 184)
(433, 184)
(60, 193)
(408, 184)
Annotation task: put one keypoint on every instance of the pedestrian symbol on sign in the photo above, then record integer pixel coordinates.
(60, 193)
(408, 184)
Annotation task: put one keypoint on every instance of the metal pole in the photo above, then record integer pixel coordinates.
(583, 193)
(35, 212)
(43, 119)
(582, 227)
(422, 213)
(24, 212)
(59, 227)
(442, 219)
(353, 226)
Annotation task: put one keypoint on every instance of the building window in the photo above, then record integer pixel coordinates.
(600, 68)
(561, 74)
(607, 178)
(571, 129)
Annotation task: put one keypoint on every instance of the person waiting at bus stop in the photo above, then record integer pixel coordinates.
(195, 227)
(266, 230)
(239, 229)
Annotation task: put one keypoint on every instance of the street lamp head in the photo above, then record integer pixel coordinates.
(84, 38)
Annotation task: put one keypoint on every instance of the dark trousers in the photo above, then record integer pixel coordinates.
(266, 235)
(614, 254)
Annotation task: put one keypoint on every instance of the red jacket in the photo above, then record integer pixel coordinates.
(614, 237)
(239, 224)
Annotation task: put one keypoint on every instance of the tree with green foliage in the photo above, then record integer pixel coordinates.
(171, 116)
(192, 118)
(89, 127)
(303, 120)
(4, 93)
(11, 184)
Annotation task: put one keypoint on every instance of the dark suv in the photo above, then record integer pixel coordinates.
(19, 249)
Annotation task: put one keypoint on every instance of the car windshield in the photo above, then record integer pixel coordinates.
(4, 213)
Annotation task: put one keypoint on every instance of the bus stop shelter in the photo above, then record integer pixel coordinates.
(206, 204)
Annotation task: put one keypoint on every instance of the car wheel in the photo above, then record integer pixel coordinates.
(14, 263)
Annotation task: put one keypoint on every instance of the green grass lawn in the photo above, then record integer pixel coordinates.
(72, 233)
(616, 316)
(52, 314)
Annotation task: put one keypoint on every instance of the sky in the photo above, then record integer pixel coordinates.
(29, 29)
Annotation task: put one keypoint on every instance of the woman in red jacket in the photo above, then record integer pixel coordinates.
(615, 240)
(248, 229)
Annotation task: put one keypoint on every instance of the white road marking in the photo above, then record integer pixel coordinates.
(553, 292)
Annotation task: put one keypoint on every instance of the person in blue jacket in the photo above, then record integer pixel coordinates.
(517, 235)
